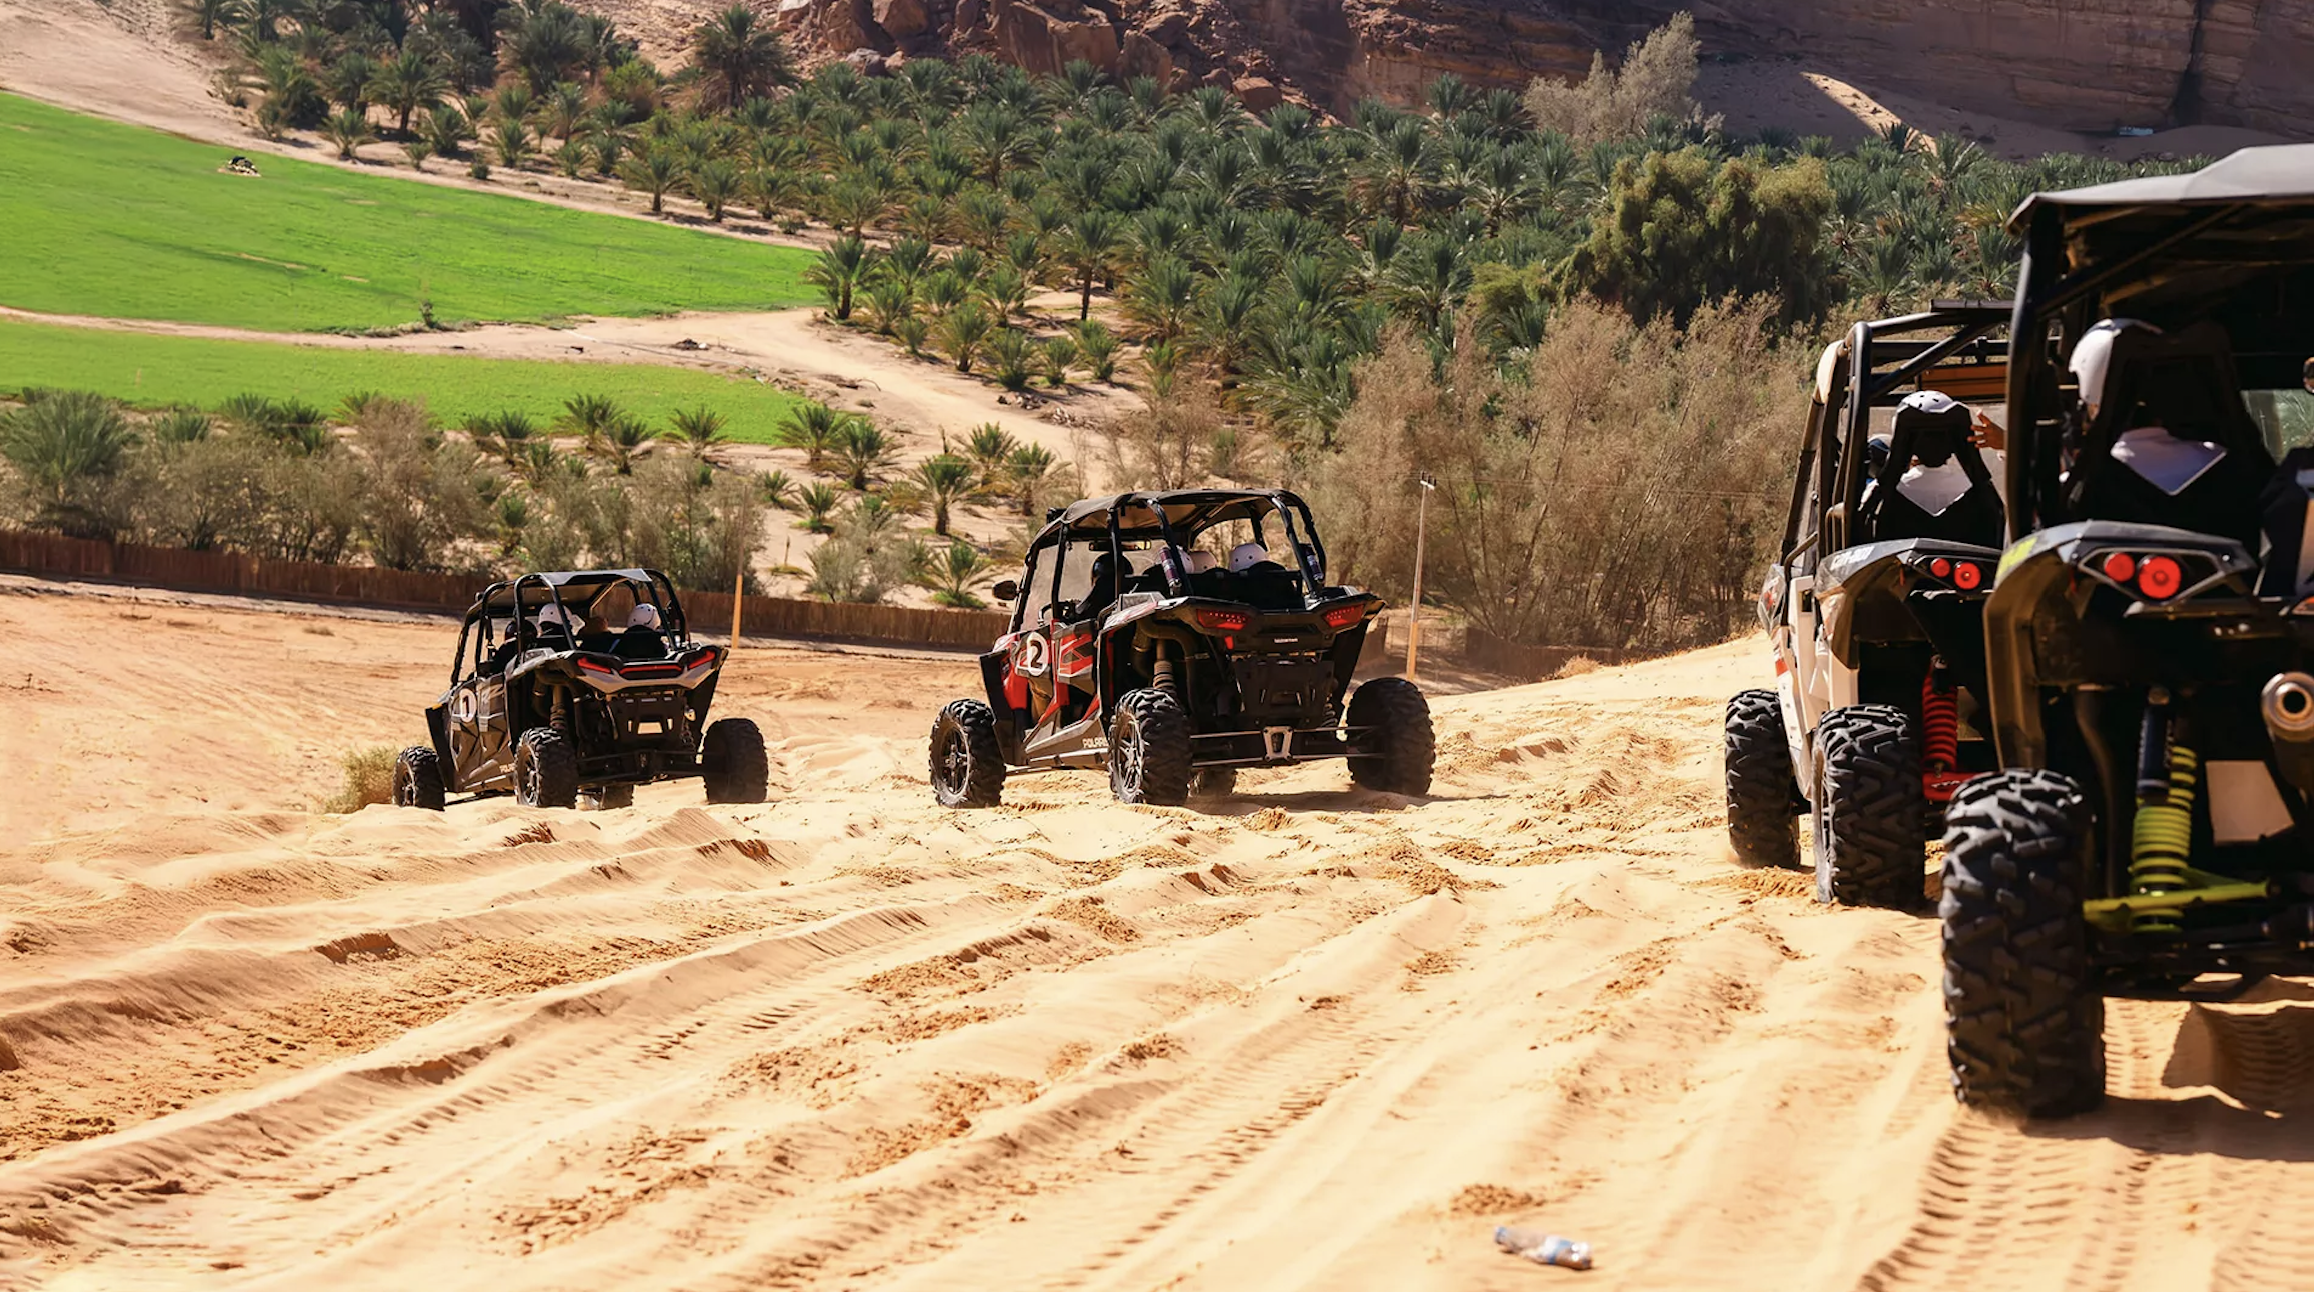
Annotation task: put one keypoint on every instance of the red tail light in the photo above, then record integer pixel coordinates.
(2159, 577)
(592, 667)
(2120, 567)
(1940, 567)
(1223, 621)
(1343, 616)
(1967, 576)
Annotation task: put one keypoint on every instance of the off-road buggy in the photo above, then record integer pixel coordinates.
(554, 697)
(2150, 631)
(1871, 609)
(1174, 638)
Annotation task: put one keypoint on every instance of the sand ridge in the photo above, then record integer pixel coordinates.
(1310, 1036)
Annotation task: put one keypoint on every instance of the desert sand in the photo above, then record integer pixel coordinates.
(1305, 1037)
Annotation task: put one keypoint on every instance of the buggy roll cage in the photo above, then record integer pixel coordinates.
(1095, 517)
(509, 595)
(1870, 346)
(2233, 242)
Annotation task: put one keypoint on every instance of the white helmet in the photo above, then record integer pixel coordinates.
(2093, 357)
(1201, 560)
(1245, 555)
(553, 617)
(645, 615)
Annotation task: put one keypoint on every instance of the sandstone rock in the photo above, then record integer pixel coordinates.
(1169, 28)
(1142, 56)
(845, 25)
(901, 18)
(1258, 94)
(969, 14)
(1044, 42)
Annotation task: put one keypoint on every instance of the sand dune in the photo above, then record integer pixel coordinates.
(1307, 1037)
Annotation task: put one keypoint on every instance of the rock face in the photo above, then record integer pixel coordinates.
(2078, 64)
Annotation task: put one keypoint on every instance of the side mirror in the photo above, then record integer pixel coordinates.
(1005, 589)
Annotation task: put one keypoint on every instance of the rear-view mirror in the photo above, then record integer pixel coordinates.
(1005, 590)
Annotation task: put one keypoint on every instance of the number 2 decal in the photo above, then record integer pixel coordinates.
(1030, 658)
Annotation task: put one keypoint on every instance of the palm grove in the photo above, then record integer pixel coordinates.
(1585, 311)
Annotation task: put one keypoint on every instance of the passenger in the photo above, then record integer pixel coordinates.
(553, 628)
(642, 639)
(1104, 590)
(1244, 557)
(597, 635)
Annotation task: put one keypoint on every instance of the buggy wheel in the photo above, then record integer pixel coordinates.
(1871, 811)
(2024, 1013)
(1395, 748)
(1149, 749)
(418, 779)
(733, 762)
(967, 769)
(607, 798)
(1212, 782)
(1761, 795)
(545, 769)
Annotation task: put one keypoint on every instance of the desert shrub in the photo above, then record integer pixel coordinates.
(1616, 103)
(1167, 444)
(65, 449)
(866, 559)
(368, 778)
(422, 492)
(1618, 489)
(1680, 230)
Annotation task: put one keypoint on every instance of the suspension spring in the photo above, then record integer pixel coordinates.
(1940, 725)
(2161, 843)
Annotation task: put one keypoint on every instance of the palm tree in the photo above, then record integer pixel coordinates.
(817, 500)
(811, 426)
(861, 449)
(1011, 352)
(60, 443)
(988, 448)
(952, 575)
(587, 416)
(448, 131)
(776, 488)
(1058, 355)
(1162, 297)
(945, 479)
(349, 129)
(408, 83)
(714, 182)
(837, 273)
(621, 440)
(511, 137)
(1097, 346)
(1030, 471)
(1089, 247)
(654, 169)
(697, 429)
(962, 332)
(737, 59)
(211, 12)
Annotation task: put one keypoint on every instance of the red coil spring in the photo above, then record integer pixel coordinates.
(1940, 721)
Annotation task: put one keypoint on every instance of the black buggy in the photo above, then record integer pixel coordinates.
(1174, 638)
(1872, 609)
(580, 685)
(2150, 633)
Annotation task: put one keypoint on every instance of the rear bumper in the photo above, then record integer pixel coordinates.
(1272, 746)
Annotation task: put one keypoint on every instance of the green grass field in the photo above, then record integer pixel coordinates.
(152, 371)
(123, 222)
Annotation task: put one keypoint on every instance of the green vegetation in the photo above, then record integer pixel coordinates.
(157, 371)
(124, 222)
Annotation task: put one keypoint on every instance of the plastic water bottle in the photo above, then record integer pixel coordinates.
(1542, 1248)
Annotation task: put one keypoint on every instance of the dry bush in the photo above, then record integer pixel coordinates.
(369, 778)
(1167, 445)
(1618, 491)
(1615, 103)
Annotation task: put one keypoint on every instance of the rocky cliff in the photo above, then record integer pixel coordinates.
(2077, 64)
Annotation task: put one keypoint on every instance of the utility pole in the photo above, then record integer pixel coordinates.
(1414, 613)
(738, 598)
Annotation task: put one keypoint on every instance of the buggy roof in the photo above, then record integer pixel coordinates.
(2233, 241)
(580, 586)
(1186, 511)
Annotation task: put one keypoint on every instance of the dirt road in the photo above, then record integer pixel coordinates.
(1307, 1037)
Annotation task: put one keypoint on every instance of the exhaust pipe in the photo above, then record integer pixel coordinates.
(2287, 705)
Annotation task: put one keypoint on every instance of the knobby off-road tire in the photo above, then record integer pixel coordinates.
(1762, 798)
(733, 763)
(545, 769)
(418, 779)
(1397, 743)
(607, 798)
(1149, 749)
(2024, 1012)
(967, 767)
(1871, 813)
(1212, 782)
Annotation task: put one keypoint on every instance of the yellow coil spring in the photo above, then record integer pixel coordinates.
(2162, 841)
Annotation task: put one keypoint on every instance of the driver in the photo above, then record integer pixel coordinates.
(1103, 593)
(642, 639)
